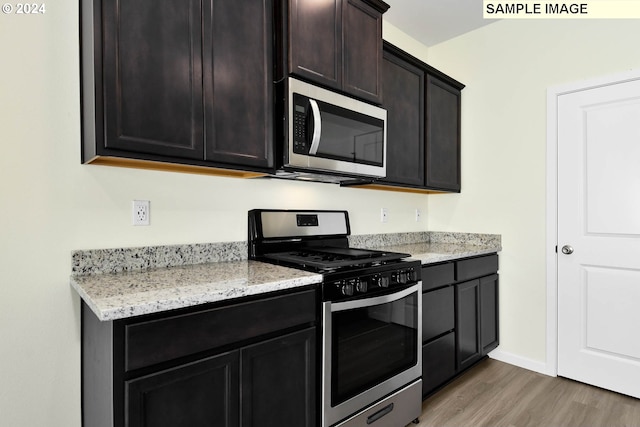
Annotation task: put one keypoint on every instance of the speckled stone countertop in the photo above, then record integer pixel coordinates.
(436, 247)
(429, 253)
(127, 294)
(127, 282)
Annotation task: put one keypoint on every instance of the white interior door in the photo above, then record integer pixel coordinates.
(599, 220)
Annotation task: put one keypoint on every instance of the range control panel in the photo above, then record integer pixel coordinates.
(370, 281)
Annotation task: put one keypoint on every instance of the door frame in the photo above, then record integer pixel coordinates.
(553, 93)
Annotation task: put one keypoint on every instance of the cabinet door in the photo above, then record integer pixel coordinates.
(362, 50)
(443, 136)
(315, 41)
(201, 394)
(152, 69)
(403, 86)
(437, 313)
(467, 323)
(238, 85)
(489, 337)
(438, 362)
(278, 381)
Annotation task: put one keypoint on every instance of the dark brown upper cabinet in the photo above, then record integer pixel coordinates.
(403, 85)
(337, 44)
(443, 135)
(178, 82)
(423, 125)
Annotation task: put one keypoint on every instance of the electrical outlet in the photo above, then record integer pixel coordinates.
(418, 215)
(384, 215)
(140, 212)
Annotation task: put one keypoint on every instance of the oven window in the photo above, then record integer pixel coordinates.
(371, 345)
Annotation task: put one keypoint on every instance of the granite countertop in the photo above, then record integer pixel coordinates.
(127, 282)
(127, 294)
(432, 247)
(429, 253)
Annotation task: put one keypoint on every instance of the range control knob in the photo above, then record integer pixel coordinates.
(384, 281)
(402, 277)
(362, 285)
(347, 289)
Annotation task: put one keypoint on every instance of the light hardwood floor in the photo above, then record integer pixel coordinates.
(496, 394)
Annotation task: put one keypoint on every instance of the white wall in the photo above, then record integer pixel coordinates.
(51, 205)
(507, 67)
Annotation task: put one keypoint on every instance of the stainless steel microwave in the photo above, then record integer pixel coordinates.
(330, 133)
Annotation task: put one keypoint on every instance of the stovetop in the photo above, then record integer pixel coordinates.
(318, 241)
(329, 259)
(311, 240)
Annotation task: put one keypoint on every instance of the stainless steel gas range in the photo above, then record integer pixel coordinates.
(371, 315)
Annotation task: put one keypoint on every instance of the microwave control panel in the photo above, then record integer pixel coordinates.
(300, 145)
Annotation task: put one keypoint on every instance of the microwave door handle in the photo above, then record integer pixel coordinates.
(317, 127)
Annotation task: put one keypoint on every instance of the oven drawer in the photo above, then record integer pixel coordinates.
(437, 312)
(434, 276)
(473, 268)
(161, 340)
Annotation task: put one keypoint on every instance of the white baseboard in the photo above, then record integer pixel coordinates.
(522, 362)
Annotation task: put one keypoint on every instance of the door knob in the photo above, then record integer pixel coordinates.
(567, 249)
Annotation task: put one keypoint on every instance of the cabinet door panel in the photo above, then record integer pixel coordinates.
(437, 312)
(403, 85)
(434, 276)
(153, 77)
(438, 362)
(315, 41)
(238, 86)
(278, 381)
(362, 54)
(443, 136)
(489, 336)
(467, 323)
(201, 394)
(473, 268)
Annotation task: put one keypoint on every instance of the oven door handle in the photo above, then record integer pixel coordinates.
(368, 302)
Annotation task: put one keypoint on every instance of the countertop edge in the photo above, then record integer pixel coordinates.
(432, 258)
(222, 291)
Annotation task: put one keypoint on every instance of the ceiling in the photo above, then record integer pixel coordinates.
(434, 21)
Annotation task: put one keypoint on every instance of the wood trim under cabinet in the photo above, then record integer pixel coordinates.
(171, 167)
(386, 187)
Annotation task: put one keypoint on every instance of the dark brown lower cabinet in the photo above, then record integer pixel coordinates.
(467, 322)
(248, 363)
(267, 384)
(278, 382)
(488, 313)
(438, 362)
(204, 393)
(459, 317)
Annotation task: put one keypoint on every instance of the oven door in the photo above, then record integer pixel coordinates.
(371, 348)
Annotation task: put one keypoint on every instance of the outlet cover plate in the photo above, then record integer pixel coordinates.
(140, 212)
